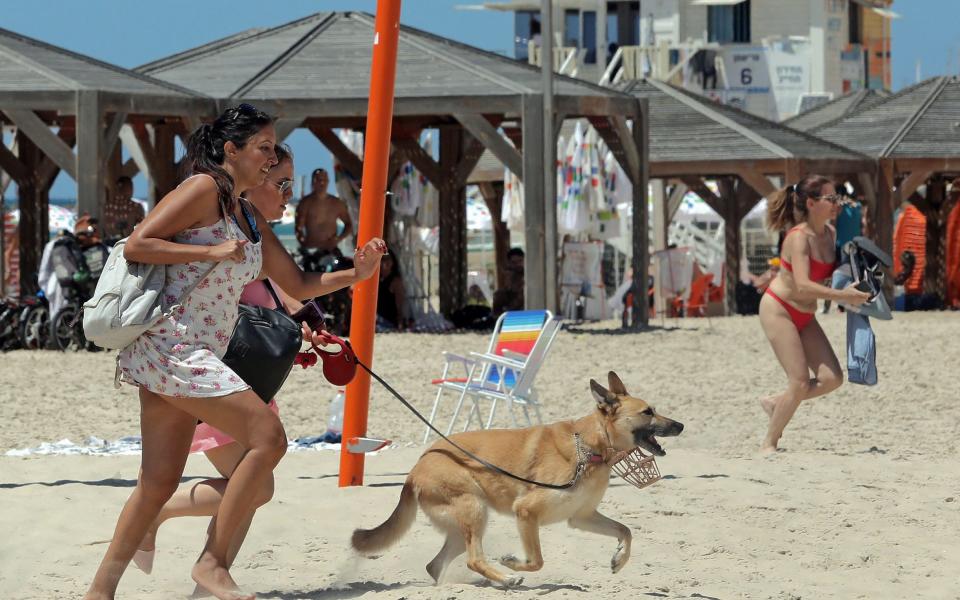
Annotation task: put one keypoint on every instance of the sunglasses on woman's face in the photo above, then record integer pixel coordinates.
(284, 185)
(832, 198)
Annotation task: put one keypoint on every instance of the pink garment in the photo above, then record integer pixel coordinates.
(207, 437)
(256, 294)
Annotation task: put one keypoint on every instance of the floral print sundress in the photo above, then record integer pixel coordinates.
(181, 355)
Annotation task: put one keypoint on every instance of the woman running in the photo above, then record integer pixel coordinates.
(788, 307)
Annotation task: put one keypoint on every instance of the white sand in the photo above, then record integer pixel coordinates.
(862, 504)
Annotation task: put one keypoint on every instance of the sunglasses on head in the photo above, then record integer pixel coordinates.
(244, 109)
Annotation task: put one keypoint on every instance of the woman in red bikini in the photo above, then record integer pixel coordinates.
(788, 306)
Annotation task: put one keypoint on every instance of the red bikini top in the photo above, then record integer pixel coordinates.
(819, 270)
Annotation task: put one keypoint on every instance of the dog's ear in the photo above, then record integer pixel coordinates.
(606, 401)
(616, 386)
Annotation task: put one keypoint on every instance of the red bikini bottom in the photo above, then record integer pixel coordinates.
(800, 319)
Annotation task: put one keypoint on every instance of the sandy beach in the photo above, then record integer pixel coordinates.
(862, 503)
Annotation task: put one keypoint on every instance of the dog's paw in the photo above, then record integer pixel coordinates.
(620, 558)
(509, 561)
(512, 581)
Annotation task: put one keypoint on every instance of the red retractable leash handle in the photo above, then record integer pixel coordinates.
(339, 367)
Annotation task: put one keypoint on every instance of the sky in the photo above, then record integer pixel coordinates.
(130, 33)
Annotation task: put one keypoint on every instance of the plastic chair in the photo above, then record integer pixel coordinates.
(504, 373)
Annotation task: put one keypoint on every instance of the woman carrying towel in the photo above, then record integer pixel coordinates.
(177, 364)
(788, 307)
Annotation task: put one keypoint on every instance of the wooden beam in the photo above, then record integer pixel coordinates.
(480, 128)
(111, 135)
(759, 182)
(48, 142)
(141, 153)
(130, 168)
(676, 198)
(616, 134)
(348, 160)
(284, 127)
(492, 193)
(699, 187)
(909, 185)
(472, 152)
(89, 158)
(421, 160)
(12, 165)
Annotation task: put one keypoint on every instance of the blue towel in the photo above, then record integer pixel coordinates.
(861, 342)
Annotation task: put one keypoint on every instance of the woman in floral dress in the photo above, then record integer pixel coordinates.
(177, 364)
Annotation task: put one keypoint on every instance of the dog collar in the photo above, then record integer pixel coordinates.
(585, 454)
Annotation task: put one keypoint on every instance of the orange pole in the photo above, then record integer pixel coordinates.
(376, 158)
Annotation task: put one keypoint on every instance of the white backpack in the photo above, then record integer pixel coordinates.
(128, 300)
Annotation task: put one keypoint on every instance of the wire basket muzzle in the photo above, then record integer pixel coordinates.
(637, 468)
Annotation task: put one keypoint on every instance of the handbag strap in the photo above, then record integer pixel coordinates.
(280, 306)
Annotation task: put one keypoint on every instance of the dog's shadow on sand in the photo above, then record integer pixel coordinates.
(349, 590)
(357, 589)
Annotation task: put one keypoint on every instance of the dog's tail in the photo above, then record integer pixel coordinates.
(370, 541)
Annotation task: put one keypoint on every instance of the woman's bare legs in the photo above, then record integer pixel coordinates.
(166, 435)
(245, 418)
(798, 353)
(202, 499)
(167, 426)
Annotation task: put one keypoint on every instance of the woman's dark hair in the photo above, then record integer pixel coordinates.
(205, 152)
(283, 153)
(788, 206)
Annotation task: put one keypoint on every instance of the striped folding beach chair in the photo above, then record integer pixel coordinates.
(504, 373)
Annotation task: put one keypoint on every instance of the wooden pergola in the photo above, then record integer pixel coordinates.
(59, 100)
(834, 109)
(693, 139)
(915, 136)
(313, 73)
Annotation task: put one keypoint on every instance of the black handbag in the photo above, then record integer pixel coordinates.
(263, 346)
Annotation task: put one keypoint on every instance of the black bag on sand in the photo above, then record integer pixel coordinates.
(263, 346)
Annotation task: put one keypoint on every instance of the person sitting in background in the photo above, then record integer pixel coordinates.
(391, 296)
(121, 213)
(510, 297)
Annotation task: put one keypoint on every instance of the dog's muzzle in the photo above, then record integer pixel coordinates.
(637, 468)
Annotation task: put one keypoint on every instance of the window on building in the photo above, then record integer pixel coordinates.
(855, 13)
(526, 27)
(590, 37)
(729, 24)
(571, 28)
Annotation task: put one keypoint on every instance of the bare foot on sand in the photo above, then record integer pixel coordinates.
(143, 558)
(214, 578)
(769, 404)
(767, 450)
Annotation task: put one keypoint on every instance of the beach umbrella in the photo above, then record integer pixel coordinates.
(58, 217)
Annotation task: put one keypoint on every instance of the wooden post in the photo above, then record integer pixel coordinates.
(641, 233)
(731, 236)
(453, 223)
(34, 204)
(492, 193)
(886, 204)
(661, 221)
(534, 214)
(549, 172)
(90, 159)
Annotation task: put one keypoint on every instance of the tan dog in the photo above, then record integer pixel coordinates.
(456, 492)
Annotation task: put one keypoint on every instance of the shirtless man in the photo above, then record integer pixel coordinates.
(317, 215)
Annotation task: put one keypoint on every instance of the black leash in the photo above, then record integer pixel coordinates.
(492, 467)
